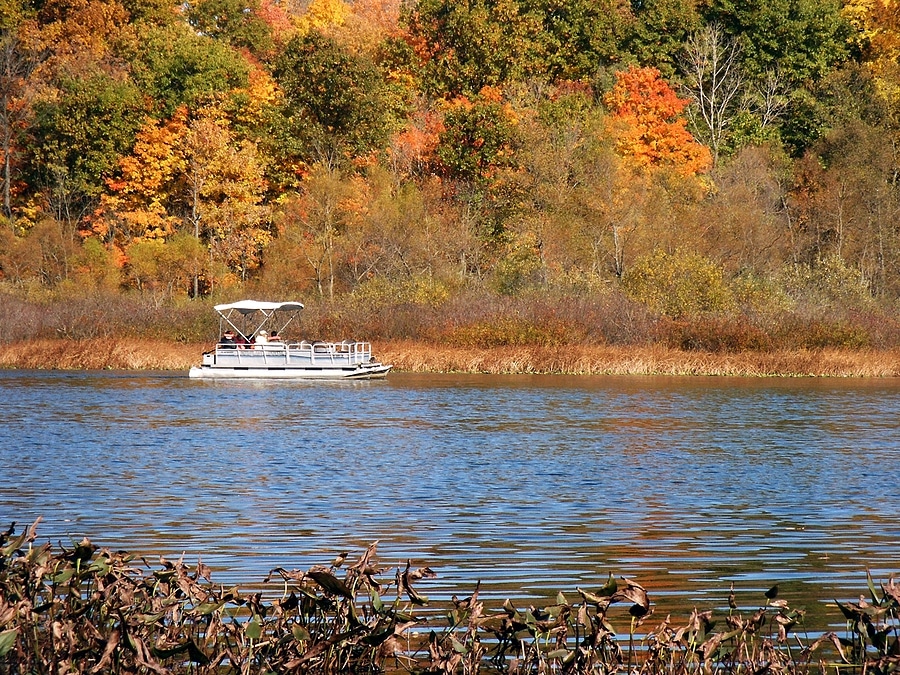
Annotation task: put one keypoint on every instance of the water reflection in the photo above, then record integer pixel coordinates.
(531, 484)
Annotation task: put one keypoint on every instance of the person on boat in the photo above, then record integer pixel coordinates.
(275, 337)
(227, 341)
(241, 341)
(262, 337)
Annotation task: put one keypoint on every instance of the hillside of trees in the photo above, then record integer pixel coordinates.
(712, 174)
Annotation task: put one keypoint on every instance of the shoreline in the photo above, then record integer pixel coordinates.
(420, 357)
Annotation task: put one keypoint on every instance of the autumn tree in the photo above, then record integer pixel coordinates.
(747, 222)
(370, 23)
(165, 269)
(224, 188)
(15, 67)
(412, 149)
(315, 223)
(646, 120)
(141, 202)
(393, 236)
(847, 205)
(323, 16)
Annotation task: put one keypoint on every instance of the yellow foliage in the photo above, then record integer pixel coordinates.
(322, 15)
(423, 290)
(262, 93)
(877, 24)
(368, 23)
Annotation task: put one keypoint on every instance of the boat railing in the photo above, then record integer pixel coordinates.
(346, 352)
(333, 352)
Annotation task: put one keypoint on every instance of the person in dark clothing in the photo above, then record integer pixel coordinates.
(228, 341)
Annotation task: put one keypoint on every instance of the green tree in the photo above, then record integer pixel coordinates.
(659, 29)
(578, 38)
(236, 22)
(801, 39)
(466, 46)
(78, 134)
(174, 66)
(478, 139)
(336, 104)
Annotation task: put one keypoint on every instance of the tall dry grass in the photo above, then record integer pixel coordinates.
(99, 354)
(605, 333)
(639, 360)
(424, 357)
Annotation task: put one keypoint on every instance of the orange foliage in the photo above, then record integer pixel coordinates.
(413, 148)
(877, 23)
(75, 31)
(645, 120)
(491, 94)
(136, 207)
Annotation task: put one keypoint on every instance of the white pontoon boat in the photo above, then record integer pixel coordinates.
(245, 350)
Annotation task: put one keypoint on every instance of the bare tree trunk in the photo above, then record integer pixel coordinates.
(714, 83)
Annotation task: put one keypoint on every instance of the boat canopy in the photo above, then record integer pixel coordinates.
(250, 306)
(244, 312)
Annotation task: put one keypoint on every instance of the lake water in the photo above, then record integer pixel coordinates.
(531, 484)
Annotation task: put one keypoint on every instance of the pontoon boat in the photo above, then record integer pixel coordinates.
(245, 350)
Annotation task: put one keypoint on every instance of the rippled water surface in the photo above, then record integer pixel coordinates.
(532, 484)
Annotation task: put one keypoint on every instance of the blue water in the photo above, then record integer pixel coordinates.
(531, 484)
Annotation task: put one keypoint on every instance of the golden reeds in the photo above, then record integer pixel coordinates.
(137, 354)
(99, 354)
(645, 360)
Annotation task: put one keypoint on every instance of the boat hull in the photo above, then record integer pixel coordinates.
(371, 371)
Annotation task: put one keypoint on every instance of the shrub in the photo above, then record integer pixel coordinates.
(827, 282)
(514, 331)
(714, 334)
(678, 285)
(422, 290)
(820, 333)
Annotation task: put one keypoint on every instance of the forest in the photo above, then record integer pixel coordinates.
(708, 174)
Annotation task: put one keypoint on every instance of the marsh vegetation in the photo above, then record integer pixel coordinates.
(605, 334)
(86, 609)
